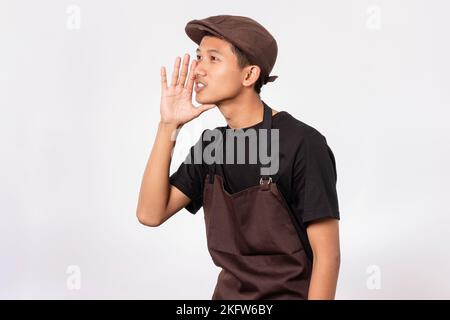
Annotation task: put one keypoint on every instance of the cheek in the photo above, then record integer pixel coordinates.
(228, 78)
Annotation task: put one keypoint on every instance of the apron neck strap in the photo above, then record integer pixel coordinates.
(267, 124)
(267, 119)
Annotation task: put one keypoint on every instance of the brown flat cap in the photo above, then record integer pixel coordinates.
(244, 33)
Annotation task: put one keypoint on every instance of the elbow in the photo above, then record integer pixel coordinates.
(332, 259)
(148, 220)
(336, 260)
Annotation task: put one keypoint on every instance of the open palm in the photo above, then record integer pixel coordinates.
(176, 100)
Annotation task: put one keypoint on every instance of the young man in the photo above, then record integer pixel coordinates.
(274, 233)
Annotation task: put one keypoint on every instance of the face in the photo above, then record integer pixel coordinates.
(218, 70)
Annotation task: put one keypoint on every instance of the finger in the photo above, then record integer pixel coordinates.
(176, 70)
(184, 71)
(204, 107)
(191, 77)
(163, 78)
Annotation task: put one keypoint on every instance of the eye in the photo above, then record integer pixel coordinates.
(212, 58)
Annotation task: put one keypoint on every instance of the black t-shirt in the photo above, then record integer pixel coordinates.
(306, 176)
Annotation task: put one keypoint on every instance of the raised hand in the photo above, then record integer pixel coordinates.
(176, 100)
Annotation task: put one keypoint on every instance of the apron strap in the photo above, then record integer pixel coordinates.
(211, 171)
(267, 124)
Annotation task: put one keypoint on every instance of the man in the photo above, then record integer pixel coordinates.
(274, 238)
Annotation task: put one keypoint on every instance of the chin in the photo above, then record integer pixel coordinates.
(205, 100)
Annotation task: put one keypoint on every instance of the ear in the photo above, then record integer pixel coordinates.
(251, 75)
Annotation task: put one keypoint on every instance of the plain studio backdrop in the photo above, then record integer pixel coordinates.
(79, 99)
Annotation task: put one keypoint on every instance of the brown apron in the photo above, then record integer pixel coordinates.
(251, 236)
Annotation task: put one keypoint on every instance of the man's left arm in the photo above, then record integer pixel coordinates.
(323, 236)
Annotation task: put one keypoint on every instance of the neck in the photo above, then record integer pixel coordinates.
(242, 111)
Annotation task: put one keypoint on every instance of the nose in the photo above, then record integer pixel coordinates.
(199, 69)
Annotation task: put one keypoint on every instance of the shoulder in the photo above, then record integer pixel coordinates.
(300, 131)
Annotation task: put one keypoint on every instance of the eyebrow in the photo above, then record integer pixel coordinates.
(209, 50)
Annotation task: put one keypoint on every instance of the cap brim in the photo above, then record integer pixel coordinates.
(196, 31)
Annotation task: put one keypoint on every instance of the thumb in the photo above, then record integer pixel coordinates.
(204, 107)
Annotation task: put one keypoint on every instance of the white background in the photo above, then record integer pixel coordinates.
(80, 107)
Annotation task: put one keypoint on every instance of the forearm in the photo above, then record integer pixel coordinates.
(324, 278)
(154, 191)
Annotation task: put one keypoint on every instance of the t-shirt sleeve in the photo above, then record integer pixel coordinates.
(314, 179)
(189, 177)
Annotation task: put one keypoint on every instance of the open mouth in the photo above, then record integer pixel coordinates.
(199, 87)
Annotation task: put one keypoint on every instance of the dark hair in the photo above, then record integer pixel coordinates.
(242, 60)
